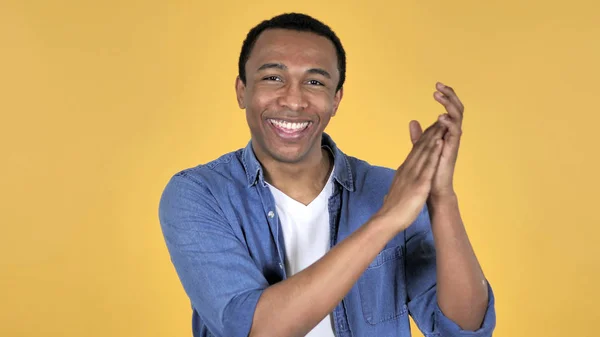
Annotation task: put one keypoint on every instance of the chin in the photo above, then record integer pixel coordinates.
(288, 157)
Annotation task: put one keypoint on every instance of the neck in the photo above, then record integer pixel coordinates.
(302, 181)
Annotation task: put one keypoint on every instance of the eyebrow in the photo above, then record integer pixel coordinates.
(319, 71)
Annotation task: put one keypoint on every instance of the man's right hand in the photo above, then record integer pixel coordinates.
(412, 182)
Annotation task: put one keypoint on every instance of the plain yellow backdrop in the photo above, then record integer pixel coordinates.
(102, 101)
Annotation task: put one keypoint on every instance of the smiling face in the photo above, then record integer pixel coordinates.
(290, 94)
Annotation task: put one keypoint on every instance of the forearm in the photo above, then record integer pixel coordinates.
(461, 286)
(296, 305)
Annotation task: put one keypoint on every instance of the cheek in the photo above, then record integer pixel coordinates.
(262, 100)
(324, 103)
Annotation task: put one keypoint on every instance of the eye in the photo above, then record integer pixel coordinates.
(315, 82)
(272, 78)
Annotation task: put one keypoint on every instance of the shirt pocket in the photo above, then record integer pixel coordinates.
(382, 288)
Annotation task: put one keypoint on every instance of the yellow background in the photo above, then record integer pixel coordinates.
(102, 101)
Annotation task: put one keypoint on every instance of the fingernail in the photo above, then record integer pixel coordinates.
(442, 84)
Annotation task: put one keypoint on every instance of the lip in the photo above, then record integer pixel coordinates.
(290, 120)
(289, 135)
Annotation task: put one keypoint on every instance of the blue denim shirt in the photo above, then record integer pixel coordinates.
(223, 234)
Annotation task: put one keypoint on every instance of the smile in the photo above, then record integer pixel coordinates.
(289, 130)
(289, 126)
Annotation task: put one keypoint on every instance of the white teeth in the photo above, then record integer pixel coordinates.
(288, 125)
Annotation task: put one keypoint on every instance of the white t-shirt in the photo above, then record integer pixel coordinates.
(306, 236)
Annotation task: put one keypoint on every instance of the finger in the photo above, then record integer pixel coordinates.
(426, 134)
(433, 159)
(415, 131)
(451, 94)
(451, 138)
(425, 139)
(439, 133)
(451, 108)
(417, 145)
(427, 147)
(422, 142)
(454, 128)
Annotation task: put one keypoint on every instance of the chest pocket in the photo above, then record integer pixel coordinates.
(382, 287)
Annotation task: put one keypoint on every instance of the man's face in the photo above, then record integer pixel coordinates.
(290, 93)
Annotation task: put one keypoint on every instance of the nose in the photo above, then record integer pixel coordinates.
(292, 97)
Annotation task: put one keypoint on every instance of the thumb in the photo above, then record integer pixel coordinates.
(415, 131)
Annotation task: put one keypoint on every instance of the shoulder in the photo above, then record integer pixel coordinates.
(369, 174)
(195, 195)
(226, 168)
(205, 181)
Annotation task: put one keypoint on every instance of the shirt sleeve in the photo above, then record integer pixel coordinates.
(213, 265)
(421, 286)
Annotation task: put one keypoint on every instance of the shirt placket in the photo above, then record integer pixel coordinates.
(274, 226)
(339, 312)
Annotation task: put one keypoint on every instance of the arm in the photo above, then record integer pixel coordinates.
(213, 265)
(462, 291)
(296, 305)
(425, 284)
(464, 301)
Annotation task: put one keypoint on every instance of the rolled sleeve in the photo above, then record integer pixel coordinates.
(213, 265)
(447, 327)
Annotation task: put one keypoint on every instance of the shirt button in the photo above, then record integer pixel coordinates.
(280, 265)
(271, 214)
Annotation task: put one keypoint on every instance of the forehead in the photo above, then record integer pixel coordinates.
(289, 46)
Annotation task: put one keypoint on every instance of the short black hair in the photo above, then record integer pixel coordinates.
(298, 22)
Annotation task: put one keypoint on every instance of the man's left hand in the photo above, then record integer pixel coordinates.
(442, 185)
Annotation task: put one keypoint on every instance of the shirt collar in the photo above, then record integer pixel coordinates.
(342, 170)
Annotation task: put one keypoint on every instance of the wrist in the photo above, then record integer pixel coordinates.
(386, 225)
(446, 199)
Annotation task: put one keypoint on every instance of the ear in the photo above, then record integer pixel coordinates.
(336, 100)
(240, 91)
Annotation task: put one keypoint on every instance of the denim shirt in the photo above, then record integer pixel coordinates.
(222, 232)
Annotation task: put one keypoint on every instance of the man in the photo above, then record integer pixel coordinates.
(289, 236)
